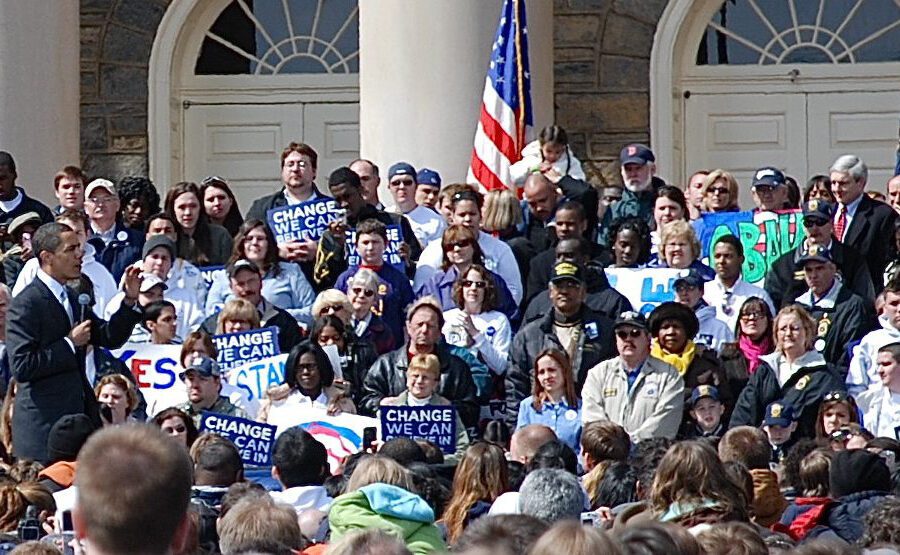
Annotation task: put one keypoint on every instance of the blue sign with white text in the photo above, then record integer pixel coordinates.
(302, 222)
(436, 424)
(254, 440)
(391, 252)
(242, 347)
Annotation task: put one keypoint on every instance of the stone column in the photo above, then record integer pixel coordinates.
(422, 71)
(39, 89)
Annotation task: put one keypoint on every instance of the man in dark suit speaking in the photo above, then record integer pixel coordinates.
(46, 334)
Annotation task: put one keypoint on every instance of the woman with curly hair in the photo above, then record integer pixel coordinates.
(138, 199)
(480, 478)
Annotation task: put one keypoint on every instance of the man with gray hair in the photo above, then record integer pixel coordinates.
(861, 222)
(551, 494)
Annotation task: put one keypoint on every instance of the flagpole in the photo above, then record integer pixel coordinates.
(520, 128)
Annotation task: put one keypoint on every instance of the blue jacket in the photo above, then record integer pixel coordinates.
(123, 251)
(440, 285)
(395, 292)
(289, 290)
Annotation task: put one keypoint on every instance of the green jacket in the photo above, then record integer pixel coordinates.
(380, 506)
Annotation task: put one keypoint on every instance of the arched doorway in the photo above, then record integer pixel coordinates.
(746, 83)
(233, 81)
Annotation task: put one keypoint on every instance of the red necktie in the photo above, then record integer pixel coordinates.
(841, 224)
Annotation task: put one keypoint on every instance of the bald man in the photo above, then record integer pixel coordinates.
(527, 440)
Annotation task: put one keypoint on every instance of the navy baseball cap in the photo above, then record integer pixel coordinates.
(689, 276)
(818, 208)
(631, 318)
(702, 391)
(428, 177)
(203, 366)
(811, 253)
(768, 177)
(636, 154)
(779, 414)
(401, 168)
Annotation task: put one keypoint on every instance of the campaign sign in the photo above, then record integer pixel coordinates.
(645, 288)
(257, 377)
(155, 369)
(302, 222)
(210, 273)
(254, 440)
(765, 236)
(391, 252)
(236, 349)
(436, 424)
(341, 435)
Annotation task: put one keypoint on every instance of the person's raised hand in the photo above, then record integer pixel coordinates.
(132, 284)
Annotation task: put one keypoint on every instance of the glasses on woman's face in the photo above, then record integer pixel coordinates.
(363, 291)
(332, 309)
(477, 284)
(633, 333)
(174, 430)
(752, 315)
(458, 244)
(307, 367)
(717, 191)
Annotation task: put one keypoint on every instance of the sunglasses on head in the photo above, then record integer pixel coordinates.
(212, 179)
(632, 333)
(835, 396)
(361, 291)
(477, 284)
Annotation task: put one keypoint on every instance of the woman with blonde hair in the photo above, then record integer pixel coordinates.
(481, 477)
(692, 487)
(501, 213)
(237, 315)
(720, 192)
(679, 248)
(116, 393)
(795, 374)
(332, 301)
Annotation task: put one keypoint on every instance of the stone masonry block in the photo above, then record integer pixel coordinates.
(579, 30)
(609, 112)
(624, 73)
(648, 11)
(124, 45)
(626, 36)
(123, 83)
(142, 14)
(93, 134)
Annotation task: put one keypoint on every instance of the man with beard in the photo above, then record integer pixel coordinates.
(638, 167)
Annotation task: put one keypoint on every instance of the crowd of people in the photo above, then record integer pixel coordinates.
(737, 417)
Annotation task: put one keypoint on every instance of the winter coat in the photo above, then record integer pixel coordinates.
(387, 378)
(804, 391)
(863, 373)
(388, 508)
(632, 205)
(601, 298)
(850, 319)
(567, 164)
(804, 517)
(379, 335)
(121, 252)
(846, 517)
(768, 501)
(595, 344)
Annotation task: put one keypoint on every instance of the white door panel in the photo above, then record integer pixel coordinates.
(333, 130)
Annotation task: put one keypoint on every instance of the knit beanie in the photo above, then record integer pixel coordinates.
(858, 470)
(67, 436)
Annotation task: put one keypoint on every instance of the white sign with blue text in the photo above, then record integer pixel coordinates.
(391, 252)
(645, 288)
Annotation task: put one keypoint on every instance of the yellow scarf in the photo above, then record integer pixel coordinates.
(679, 361)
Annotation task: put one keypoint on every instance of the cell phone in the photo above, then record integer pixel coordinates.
(67, 525)
(369, 437)
(106, 412)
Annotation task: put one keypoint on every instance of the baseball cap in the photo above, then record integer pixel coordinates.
(23, 219)
(779, 414)
(159, 241)
(818, 208)
(769, 177)
(631, 318)
(202, 365)
(689, 276)
(401, 168)
(149, 281)
(428, 177)
(242, 264)
(100, 184)
(567, 271)
(702, 391)
(811, 253)
(636, 153)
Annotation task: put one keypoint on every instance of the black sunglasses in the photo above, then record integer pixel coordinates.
(625, 334)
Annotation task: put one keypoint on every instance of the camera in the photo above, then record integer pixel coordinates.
(30, 526)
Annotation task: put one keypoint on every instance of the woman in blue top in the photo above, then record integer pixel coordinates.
(284, 284)
(553, 401)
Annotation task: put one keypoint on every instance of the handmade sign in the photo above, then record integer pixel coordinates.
(302, 222)
(257, 377)
(765, 236)
(155, 369)
(436, 424)
(237, 349)
(254, 440)
(341, 435)
(645, 288)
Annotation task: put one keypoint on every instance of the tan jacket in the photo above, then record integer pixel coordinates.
(653, 407)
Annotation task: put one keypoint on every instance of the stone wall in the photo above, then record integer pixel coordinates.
(116, 39)
(601, 50)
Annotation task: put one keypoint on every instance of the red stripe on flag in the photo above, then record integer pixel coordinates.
(484, 175)
(499, 136)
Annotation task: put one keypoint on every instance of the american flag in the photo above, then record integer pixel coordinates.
(505, 125)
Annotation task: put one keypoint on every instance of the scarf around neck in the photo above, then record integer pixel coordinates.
(752, 350)
(681, 361)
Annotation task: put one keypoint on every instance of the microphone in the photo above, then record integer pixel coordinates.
(84, 300)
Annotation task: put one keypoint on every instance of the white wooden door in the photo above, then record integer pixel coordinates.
(243, 142)
(743, 132)
(864, 124)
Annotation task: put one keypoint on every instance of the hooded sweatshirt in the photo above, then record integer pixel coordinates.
(302, 498)
(713, 332)
(863, 373)
(391, 509)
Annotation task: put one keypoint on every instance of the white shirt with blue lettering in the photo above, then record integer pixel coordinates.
(493, 341)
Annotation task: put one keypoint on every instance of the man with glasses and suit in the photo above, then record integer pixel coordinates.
(642, 394)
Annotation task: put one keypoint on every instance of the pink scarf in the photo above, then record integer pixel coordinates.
(753, 350)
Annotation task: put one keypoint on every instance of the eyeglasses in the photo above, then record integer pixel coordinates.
(458, 244)
(835, 396)
(764, 189)
(332, 308)
(718, 190)
(632, 333)
(402, 183)
(179, 429)
(102, 200)
(477, 284)
(308, 366)
(753, 315)
(361, 291)
(814, 222)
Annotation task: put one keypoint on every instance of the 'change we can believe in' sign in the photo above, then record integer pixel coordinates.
(391, 252)
(242, 347)
(302, 222)
(436, 424)
(254, 440)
